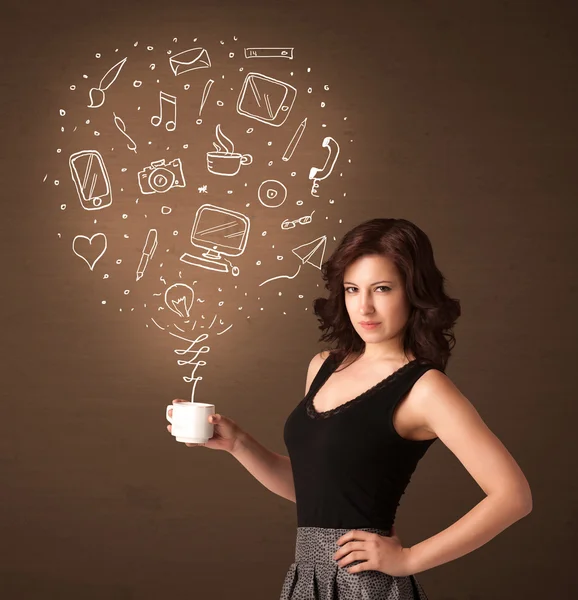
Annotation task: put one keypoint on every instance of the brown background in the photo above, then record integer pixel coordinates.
(464, 118)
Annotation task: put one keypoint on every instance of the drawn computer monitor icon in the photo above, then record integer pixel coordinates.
(219, 231)
(266, 99)
(91, 179)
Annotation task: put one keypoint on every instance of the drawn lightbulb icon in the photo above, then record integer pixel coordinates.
(179, 298)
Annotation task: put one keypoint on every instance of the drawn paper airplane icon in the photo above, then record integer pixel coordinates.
(312, 252)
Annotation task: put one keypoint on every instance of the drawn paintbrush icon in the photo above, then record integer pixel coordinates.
(96, 95)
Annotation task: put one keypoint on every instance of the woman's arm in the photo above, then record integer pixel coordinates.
(447, 413)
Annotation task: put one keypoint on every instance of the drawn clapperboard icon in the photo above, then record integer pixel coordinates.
(266, 99)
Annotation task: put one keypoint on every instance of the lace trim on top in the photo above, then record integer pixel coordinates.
(314, 414)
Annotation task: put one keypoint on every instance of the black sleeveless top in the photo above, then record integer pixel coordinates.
(350, 466)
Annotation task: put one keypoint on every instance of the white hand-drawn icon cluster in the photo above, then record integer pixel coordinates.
(219, 235)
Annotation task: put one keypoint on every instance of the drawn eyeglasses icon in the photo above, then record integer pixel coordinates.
(302, 221)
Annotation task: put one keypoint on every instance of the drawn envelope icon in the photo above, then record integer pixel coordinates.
(190, 60)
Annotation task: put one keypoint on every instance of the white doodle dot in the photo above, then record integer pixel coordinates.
(299, 202)
(56, 182)
(258, 262)
(270, 163)
(105, 276)
(195, 39)
(138, 108)
(152, 66)
(149, 48)
(240, 68)
(85, 76)
(263, 233)
(269, 143)
(125, 216)
(62, 112)
(323, 105)
(220, 103)
(62, 129)
(119, 260)
(73, 87)
(300, 295)
(97, 55)
(136, 44)
(103, 302)
(87, 121)
(231, 54)
(185, 146)
(250, 130)
(326, 87)
(323, 125)
(136, 83)
(345, 118)
(58, 150)
(309, 90)
(150, 142)
(63, 207)
(96, 133)
(279, 257)
(221, 303)
(175, 40)
(126, 292)
(187, 86)
(331, 201)
(348, 160)
(125, 236)
(166, 210)
(308, 69)
(123, 170)
(169, 51)
(229, 191)
(293, 173)
(175, 232)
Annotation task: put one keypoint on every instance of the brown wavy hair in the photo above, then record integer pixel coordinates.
(428, 333)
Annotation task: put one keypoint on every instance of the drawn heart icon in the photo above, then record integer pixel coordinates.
(95, 243)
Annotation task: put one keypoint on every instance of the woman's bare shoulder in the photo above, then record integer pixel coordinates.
(314, 366)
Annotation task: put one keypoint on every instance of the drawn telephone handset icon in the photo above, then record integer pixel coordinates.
(318, 174)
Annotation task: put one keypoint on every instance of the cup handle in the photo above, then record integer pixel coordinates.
(246, 159)
(168, 408)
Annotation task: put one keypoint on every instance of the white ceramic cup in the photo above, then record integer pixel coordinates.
(190, 421)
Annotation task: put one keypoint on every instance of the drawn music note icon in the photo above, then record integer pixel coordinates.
(170, 101)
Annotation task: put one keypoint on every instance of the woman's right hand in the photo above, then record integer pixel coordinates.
(226, 433)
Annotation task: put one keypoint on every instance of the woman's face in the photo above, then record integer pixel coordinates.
(374, 291)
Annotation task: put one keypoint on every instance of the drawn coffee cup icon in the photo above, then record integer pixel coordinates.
(223, 163)
(224, 160)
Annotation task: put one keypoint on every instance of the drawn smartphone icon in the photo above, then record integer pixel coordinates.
(91, 179)
(266, 99)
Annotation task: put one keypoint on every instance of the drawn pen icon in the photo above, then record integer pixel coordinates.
(147, 252)
(295, 140)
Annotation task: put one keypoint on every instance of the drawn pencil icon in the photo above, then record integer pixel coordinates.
(147, 252)
(295, 140)
(96, 95)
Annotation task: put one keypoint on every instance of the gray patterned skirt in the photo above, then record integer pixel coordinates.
(315, 574)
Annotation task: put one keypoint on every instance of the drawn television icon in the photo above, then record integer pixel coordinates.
(219, 231)
(91, 179)
(266, 99)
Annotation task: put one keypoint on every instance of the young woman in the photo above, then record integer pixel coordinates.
(374, 404)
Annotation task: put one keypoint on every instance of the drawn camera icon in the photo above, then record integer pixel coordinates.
(160, 176)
